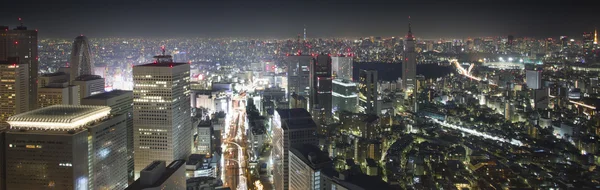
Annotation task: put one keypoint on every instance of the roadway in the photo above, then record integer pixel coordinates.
(234, 160)
(475, 132)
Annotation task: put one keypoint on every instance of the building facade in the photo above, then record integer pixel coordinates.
(409, 65)
(22, 43)
(367, 91)
(298, 74)
(342, 67)
(89, 85)
(14, 89)
(345, 95)
(57, 94)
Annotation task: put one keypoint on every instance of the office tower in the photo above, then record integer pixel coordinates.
(409, 65)
(345, 95)
(2, 155)
(161, 112)
(342, 67)
(290, 127)
(321, 86)
(367, 91)
(307, 161)
(120, 103)
(22, 43)
(81, 59)
(534, 79)
(588, 47)
(204, 138)
(564, 41)
(157, 175)
(298, 74)
(89, 85)
(14, 88)
(66, 147)
(540, 98)
(57, 94)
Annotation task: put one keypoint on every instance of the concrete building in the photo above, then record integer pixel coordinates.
(290, 127)
(89, 85)
(58, 77)
(367, 92)
(58, 94)
(161, 112)
(298, 74)
(534, 79)
(14, 89)
(120, 103)
(306, 162)
(204, 138)
(22, 43)
(409, 64)
(158, 176)
(66, 147)
(341, 67)
(80, 61)
(345, 95)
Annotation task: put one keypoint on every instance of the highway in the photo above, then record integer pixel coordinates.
(234, 160)
(476, 133)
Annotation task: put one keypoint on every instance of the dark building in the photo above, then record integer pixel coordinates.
(321, 87)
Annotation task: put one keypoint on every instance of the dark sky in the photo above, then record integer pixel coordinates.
(286, 18)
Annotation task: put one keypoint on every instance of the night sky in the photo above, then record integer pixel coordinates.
(285, 19)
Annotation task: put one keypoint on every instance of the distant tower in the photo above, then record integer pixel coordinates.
(81, 58)
(409, 65)
(304, 32)
(595, 36)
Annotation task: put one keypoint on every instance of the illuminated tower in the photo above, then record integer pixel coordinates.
(81, 58)
(14, 91)
(588, 46)
(320, 85)
(409, 66)
(161, 112)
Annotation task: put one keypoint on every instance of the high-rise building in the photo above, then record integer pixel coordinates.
(290, 127)
(367, 91)
(66, 147)
(588, 47)
(120, 103)
(14, 89)
(81, 58)
(22, 43)
(341, 67)
(57, 94)
(320, 84)
(409, 65)
(89, 85)
(298, 73)
(157, 175)
(161, 112)
(345, 95)
(534, 79)
(307, 161)
(58, 77)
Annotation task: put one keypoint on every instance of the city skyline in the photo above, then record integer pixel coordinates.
(267, 18)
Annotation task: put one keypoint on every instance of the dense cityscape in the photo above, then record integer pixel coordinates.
(297, 113)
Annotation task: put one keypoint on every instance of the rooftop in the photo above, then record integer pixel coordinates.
(312, 156)
(108, 95)
(156, 167)
(161, 64)
(59, 117)
(297, 118)
(87, 77)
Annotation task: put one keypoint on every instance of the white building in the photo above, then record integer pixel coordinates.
(57, 94)
(534, 79)
(89, 85)
(290, 127)
(161, 112)
(341, 67)
(66, 147)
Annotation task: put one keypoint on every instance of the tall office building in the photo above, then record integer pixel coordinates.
(81, 59)
(66, 147)
(341, 67)
(22, 43)
(409, 65)
(588, 47)
(320, 85)
(345, 95)
(307, 161)
(57, 94)
(534, 79)
(57, 77)
(298, 74)
(89, 85)
(290, 127)
(120, 103)
(14, 89)
(161, 112)
(367, 91)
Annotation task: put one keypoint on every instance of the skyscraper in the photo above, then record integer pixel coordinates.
(14, 89)
(344, 95)
(320, 83)
(66, 147)
(367, 91)
(341, 67)
(81, 58)
(57, 94)
(290, 127)
(409, 65)
(120, 103)
(22, 43)
(534, 79)
(161, 113)
(298, 73)
(588, 47)
(89, 85)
